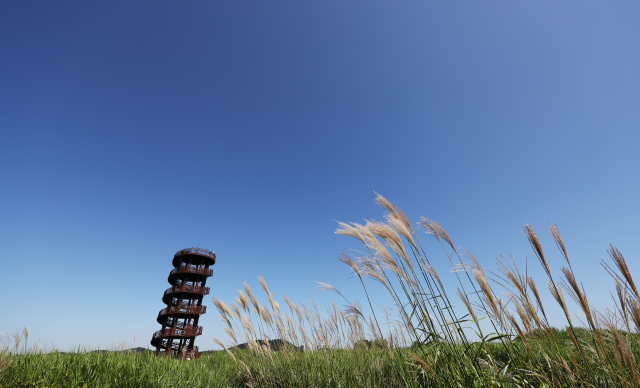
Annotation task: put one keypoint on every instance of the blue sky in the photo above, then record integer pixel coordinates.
(131, 130)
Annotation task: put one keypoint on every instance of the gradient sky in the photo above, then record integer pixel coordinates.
(130, 130)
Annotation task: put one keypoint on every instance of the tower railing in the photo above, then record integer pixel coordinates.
(180, 309)
(196, 289)
(200, 270)
(188, 331)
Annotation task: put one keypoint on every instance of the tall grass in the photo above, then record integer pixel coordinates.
(498, 341)
(322, 348)
(605, 355)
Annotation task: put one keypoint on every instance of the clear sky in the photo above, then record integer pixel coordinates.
(130, 130)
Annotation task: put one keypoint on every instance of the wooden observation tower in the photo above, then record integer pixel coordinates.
(179, 319)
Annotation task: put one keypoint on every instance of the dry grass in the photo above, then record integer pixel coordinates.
(521, 349)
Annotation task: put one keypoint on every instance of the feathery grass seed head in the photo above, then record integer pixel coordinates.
(537, 247)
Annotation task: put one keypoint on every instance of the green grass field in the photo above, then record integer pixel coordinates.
(376, 367)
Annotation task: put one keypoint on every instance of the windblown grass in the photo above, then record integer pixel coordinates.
(493, 331)
(517, 346)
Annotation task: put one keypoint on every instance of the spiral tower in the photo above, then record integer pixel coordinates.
(179, 319)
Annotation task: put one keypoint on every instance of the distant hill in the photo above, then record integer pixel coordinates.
(126, 351)
(210, 352)
(275, 345)
(132, 350)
